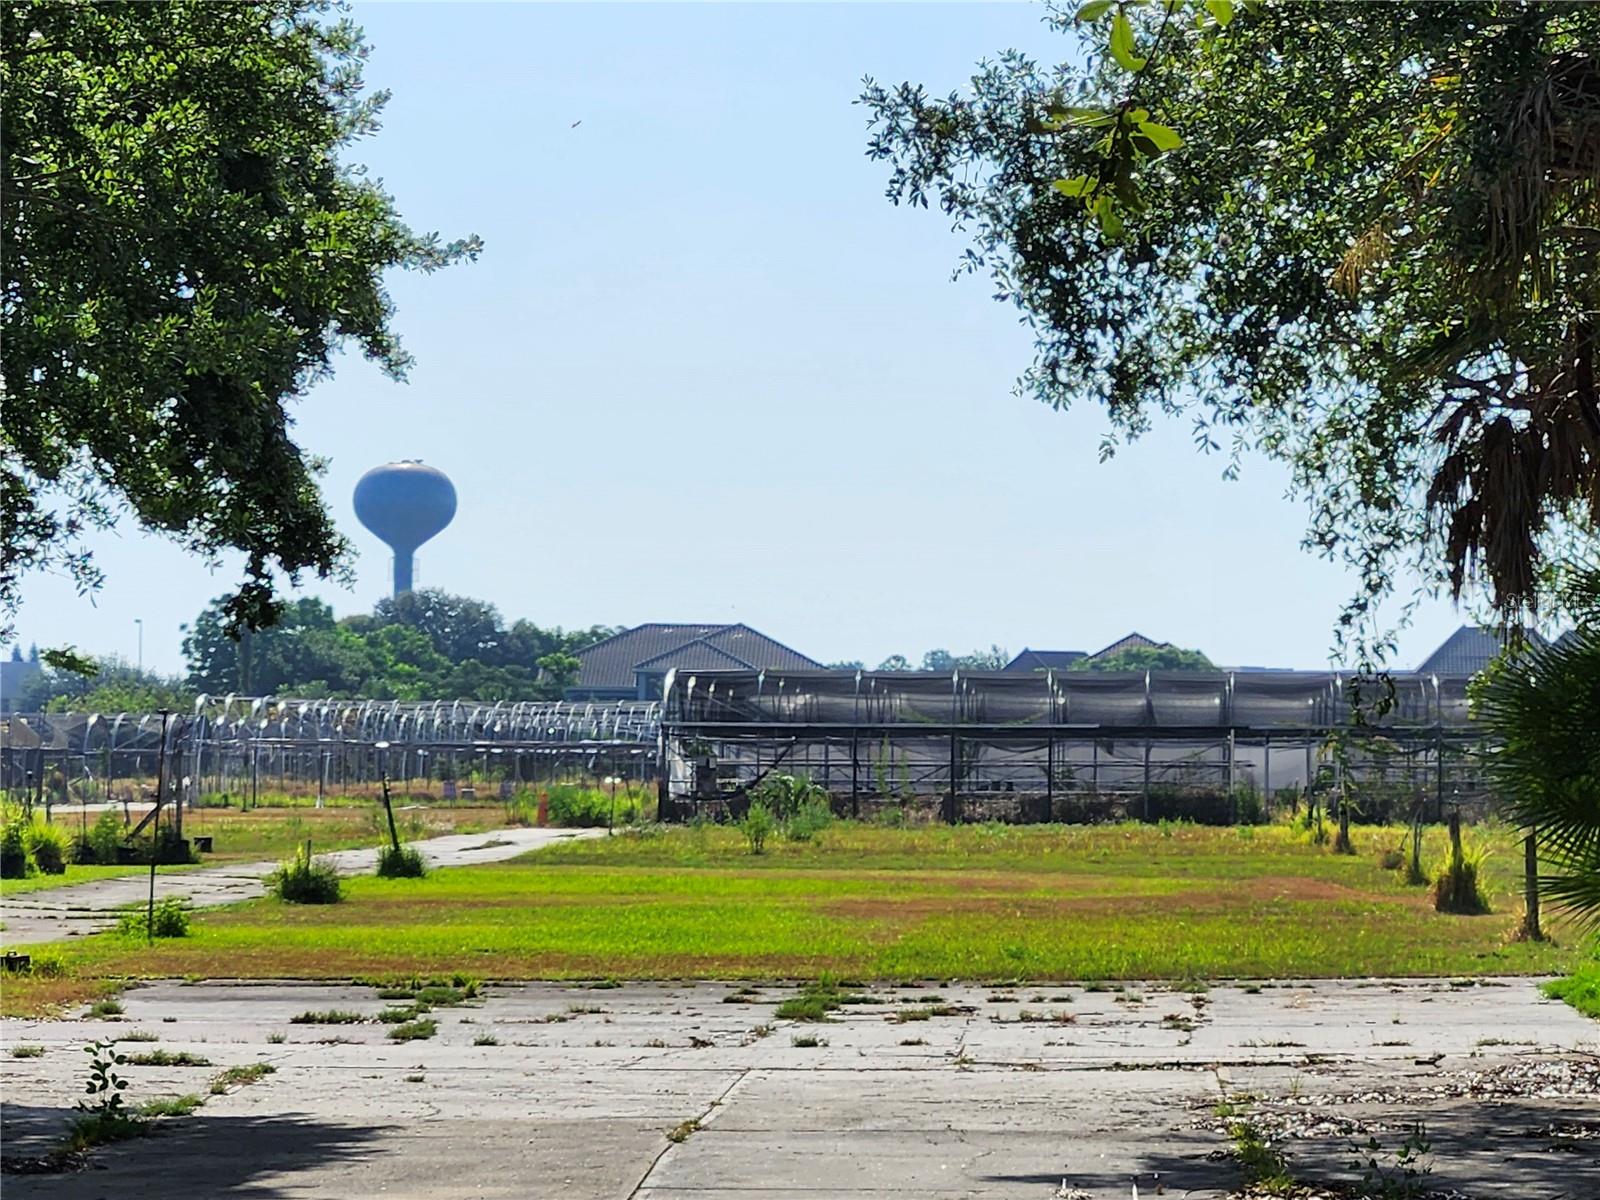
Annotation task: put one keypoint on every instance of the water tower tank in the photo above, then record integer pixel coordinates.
(405, 504)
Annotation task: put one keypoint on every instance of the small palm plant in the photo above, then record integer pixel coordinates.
(1542, 708)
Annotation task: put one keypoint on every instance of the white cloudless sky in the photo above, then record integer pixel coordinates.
(705, 372)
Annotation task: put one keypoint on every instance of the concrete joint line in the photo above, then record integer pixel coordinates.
(704, 1119)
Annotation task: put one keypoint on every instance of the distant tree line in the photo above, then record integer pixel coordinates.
(419, 645)
(1133, 658)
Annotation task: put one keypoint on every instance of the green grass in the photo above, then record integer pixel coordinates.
(1581, 989)
(171, 1106)
(868, 902)
(241, 1076)
(412, 1031)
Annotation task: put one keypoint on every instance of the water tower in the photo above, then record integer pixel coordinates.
(405, 504)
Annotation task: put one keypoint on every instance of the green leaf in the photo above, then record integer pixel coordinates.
(1095, 9)
(1110, 220)
(1122, 44)
(1078, 185)
(1164, 136)
(1222, 10)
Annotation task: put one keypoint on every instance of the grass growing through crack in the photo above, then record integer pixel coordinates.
(331, 1016)
(28, 1050)
(170, 1106)
(977, 902)
(412, 1031)
(166, 1058)
(241, 1076)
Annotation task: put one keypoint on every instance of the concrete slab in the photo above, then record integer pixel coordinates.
(558, 1090)
(56, 914)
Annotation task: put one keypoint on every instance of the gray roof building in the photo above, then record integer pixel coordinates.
(1043, 660)
(1467, 651)
(633, 664)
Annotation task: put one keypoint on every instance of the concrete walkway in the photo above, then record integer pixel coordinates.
(55, 914)
(667, 1091)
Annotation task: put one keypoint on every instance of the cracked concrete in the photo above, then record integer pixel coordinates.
(985, 1102)
(56, 914)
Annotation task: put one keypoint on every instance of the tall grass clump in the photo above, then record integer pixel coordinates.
(306, 880)
(579, 806)
(47, 845)
(1458, 884)
(401, 862)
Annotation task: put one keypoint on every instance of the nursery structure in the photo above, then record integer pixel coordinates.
(243, 745)
(1070, 745)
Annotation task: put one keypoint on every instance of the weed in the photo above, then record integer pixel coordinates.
(416, 1030)
(604, 984)
(415, 1078)
(901, 1015)
(1406, 1178)
(170, 1106)
(1263, 1164)
(139, 1035)
(276, 1039)
(399, 1016)
(28, 1050)
(807, 1041)
(166, 1058)
(486, 1039)
(579, 1010)
(302, 879)
(1178, 1021)
(241, 1076)
(105, 1008)
(761, 1031)
(681, 1133)
(401, 862)
(169, 919)
(331, 1016)
(396, 993)
(913, 1041)
(757, 826)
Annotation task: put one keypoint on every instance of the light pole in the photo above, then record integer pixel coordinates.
(139, 621)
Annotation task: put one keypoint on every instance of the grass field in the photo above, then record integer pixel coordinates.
(267, 833)
(979, 902)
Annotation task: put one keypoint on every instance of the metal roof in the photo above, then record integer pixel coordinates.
(1041, 660)
(1467, 651)
(656, 646)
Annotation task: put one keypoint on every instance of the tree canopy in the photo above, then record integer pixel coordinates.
(419, 645)
(184, 250)
(1146, 658)
(1361, 238)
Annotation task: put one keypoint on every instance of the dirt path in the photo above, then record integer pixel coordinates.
(56, 914)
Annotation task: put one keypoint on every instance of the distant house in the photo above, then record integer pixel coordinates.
(1132, 641)
(1043, 660)
(1467, 651)
(633, 664)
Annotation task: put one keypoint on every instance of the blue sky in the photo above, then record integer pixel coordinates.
(705, 372)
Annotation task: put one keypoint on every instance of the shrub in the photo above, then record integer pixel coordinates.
(47, 846)
(15, 862)
(105, 835)
(579, 806)
(757, 826)
(169, 920)
(785, 795)
(401, 862)
(810, 819)
(306, 880)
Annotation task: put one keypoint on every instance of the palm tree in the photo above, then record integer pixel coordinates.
(1541, 705)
